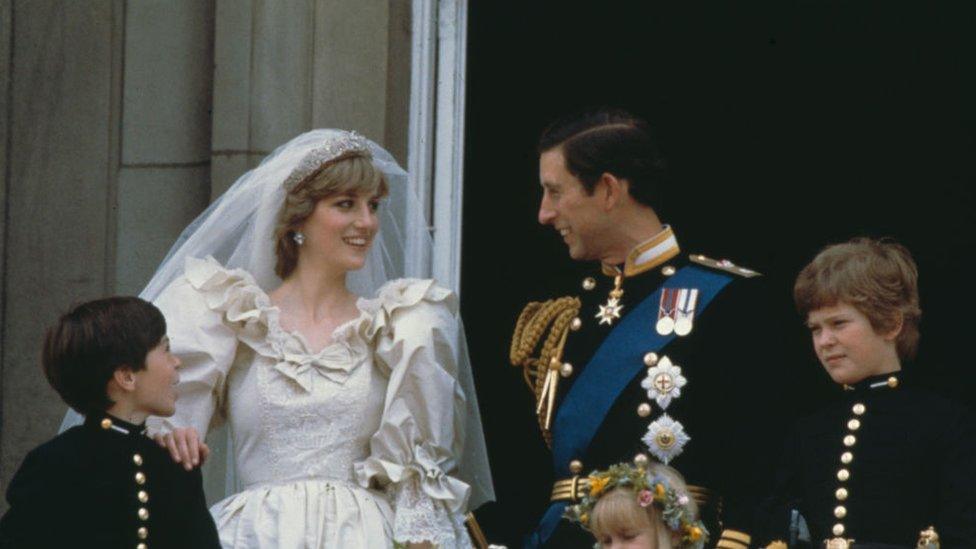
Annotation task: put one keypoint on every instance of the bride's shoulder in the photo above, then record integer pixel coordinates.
(411, 301)
(402, 293)
(208, 284)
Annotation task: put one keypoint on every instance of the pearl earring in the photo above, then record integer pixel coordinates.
(298, 237)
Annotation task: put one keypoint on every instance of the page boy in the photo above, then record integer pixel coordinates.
(105, 484)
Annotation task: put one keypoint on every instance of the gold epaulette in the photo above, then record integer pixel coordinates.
(723, 265)
(546, 323)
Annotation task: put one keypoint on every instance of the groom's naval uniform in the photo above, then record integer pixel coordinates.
(662, 359)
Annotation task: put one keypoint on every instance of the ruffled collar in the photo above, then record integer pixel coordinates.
(248, 309)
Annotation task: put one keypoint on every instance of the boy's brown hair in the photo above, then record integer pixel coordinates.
(879, 278)
(92, 340)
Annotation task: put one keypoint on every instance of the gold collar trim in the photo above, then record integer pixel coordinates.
(649, 254)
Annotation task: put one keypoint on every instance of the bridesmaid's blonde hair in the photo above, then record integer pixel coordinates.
(618, 511)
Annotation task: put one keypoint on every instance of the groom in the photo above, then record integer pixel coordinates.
(658, 354)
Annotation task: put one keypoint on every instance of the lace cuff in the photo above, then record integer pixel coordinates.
(420, 518)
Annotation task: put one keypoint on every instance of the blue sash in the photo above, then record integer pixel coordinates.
(613, 366)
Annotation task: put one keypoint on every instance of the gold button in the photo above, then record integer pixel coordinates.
(143, 496)
(849, 440)
(668, 270)
(566, 369)
(140, 478)
(641, 460)
(576, 466)
(575, 324)
(854, 424)
(892, 382)
(859, 409)
(141, 546)
(840, 511)
(846, 458)
(838, 529)
(644, 409)
(137, 459)
(106, 423)
(143, 513)
(142, 532)
(650, 359)
(843, 475)
(841, 494)
(589, 283)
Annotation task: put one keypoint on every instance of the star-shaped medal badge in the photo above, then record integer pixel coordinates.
(665, 438)
(610, 312)
(664, 382)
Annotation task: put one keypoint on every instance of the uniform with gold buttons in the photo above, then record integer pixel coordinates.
(106, 484)
(697, 403)
(886, 465)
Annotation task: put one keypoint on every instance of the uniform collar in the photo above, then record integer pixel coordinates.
(878, 383)
(647, 255)
(107, 422)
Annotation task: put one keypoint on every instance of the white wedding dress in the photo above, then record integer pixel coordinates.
(350, 446)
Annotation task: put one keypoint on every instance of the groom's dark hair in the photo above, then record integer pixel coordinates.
(611, 141)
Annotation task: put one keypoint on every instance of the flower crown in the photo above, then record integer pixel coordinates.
(649, 489)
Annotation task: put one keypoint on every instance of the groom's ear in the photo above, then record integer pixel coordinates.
(611, 190)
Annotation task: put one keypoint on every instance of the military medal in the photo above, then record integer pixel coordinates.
(664, 382)
(610, 311)
(665, 312)
(685, 311)
(665, 438)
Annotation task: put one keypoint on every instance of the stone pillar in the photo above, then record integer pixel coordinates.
(164, 177)
(64, 69)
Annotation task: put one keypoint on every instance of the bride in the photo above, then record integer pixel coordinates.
(353, 420)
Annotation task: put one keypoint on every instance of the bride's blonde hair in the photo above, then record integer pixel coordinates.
(354, 172)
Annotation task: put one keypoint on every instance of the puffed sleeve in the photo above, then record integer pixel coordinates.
(415, 451)
(204, 342)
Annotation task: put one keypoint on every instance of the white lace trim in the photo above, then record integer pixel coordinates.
(420, 518)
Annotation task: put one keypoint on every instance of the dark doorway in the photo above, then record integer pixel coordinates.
(787, 126)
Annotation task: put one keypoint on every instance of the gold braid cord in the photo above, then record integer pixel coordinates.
(548, 323)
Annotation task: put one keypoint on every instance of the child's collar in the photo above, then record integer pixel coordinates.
(105, 421)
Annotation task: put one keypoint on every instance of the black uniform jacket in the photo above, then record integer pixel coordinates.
(910, 463)
(725, 407)
(105, 484)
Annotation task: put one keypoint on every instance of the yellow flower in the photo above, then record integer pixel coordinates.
(659, 491)
(597, 484)
(584, 518)
(695, 533)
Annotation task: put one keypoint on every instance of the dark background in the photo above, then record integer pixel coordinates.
(787, 126)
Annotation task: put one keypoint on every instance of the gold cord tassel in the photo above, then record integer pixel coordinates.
(550, 320)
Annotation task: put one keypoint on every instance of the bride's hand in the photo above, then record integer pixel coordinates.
(184, 446)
